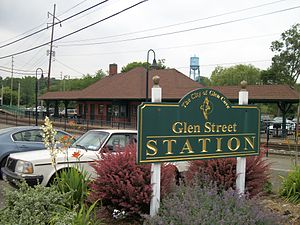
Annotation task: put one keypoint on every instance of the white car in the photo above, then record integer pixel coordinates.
(276, 126)
(35, 166)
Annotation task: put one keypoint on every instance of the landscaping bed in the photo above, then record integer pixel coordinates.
(278, 205)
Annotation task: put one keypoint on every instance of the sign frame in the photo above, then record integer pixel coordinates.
(199, 101)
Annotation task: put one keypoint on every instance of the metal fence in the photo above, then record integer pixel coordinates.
(80, 125)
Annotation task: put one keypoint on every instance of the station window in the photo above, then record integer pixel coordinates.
(100, 109)
(119, 110)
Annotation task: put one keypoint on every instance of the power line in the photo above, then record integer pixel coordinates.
(72, 7)
(181, 46)
(25, 32)
(76, 31)
(15, 72)
(7, 68)
(176, 24)
(69, 67)
(36, 32)
(181, 31)
(228, 63)
(41, 23)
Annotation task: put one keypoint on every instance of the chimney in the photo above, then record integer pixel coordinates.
(113, 69)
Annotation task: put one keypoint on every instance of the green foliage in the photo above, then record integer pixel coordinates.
(133, 65)
(7, 94)
(286, 62)
(291, 186)
(85, 215)
(270, 76)
(268, 187)
(37, 205)
(267, 108)
(234, 75)
(45, 205)
(74, 181)
(204, 81)
(206, 204)
(27, 86)
(130, 66)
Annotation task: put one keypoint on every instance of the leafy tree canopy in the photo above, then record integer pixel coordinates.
(234, 75)
(132, 65)
(27, 86)
(286, 62)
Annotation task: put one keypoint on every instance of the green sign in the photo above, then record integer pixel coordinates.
(203, 125)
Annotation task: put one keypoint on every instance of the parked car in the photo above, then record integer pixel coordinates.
(276, 126)
(35, 166)
(23, 138)
(72, 113)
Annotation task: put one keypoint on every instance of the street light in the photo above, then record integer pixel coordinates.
(36, 94)
(154, 65)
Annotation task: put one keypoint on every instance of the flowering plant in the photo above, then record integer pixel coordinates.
(66, 141)
(49, 140)
(77, 155)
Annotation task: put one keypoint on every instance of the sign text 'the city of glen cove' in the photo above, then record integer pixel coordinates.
(203, 125)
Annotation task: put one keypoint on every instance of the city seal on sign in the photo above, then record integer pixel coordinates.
(202, 125)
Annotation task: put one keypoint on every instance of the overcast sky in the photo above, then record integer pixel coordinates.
(219, 32)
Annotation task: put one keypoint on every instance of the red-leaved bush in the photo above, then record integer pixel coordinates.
(124, 185)
(223, 172)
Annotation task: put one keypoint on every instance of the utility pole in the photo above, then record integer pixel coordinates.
(51, 46)
(51, 53)
(2, 94)
(11, 80)
(19, 91)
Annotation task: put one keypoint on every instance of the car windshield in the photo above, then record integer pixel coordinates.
(91, 140)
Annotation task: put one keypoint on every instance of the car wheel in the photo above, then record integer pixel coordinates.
(2, 164)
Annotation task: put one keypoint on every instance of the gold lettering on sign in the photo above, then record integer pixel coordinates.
(151, 145)
(185, 128)
(237, 144)
(169, 146)
(219, 144)
(250, 142)
(187, 147)
(204, 141)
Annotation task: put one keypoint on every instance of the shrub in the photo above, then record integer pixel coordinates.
(223, 172)
(207, 204)
(37, 205)
(291, 186)
(123, 185)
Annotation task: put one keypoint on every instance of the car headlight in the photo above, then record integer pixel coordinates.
(24, 167)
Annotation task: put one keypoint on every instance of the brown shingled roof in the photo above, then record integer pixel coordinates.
(131, 85)
(261, 93)
(58, 95)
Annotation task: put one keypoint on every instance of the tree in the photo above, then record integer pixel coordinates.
(286, 62)
(7, 94)
(204, 81)
(28, 90)
(85, 81)
(130, 66)
(234, 75)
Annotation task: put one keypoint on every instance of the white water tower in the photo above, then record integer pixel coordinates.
(194, 68)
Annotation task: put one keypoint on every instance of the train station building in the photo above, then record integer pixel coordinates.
(115, 97)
